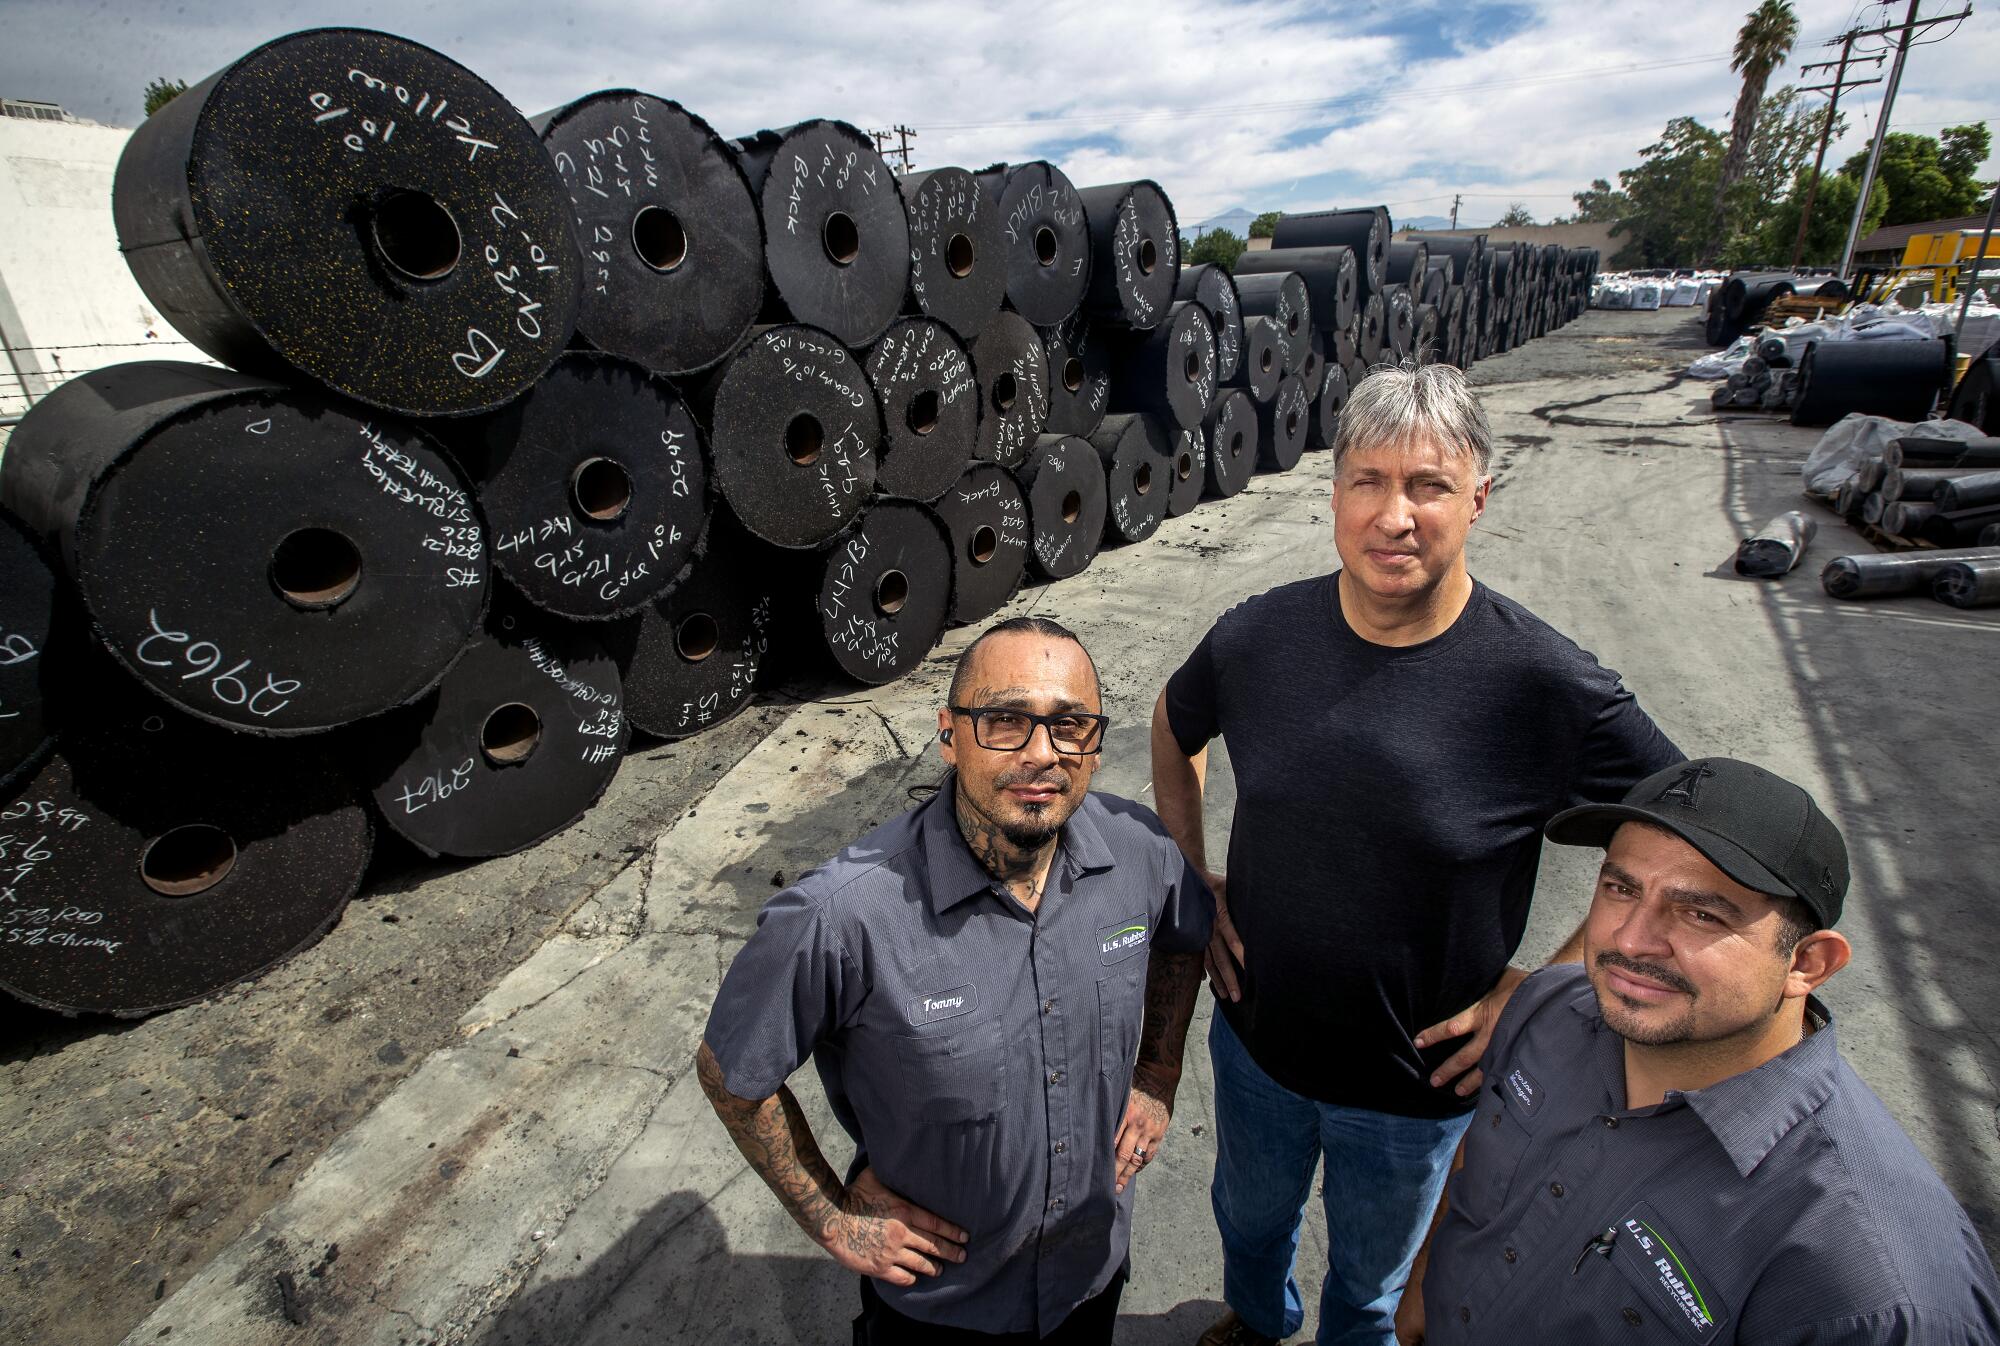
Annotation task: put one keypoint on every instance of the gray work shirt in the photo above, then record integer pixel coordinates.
(981, 1057)
(1783, 1205)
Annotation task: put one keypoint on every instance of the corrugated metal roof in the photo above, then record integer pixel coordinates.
(1895, 237)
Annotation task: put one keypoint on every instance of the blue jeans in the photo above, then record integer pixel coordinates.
(1383, 1177)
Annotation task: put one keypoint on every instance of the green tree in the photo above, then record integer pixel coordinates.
(1761, 46)
(1599, 203)
(1264, 225)
(1670, 192)
(1516, 216)
(163, 91)
(1218, 246)
(1921, 186)
(1833, 208)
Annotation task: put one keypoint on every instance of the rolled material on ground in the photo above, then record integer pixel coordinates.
(357, 210)
(1366, 231)
(1966, 492)
(1924, 451)
(27, 617)
(1425, 340)
(1773, 351)
(985, 517)
(1465, 252)
(1326, 409)
(1905, 517)
(1137, 469)
(1887, 574)
(1775, 548)
(693, 659)
(1233, 443)
(594, 486)
(1989, 536)
(1312, 369)
(1406, 264)
(1969, 584)
(1976, 398)
(1063, 481)
(836, 235)
(884, 590)
(1436, 283)
(132, 892)
(1011, 368)
(1262, 364)
(520, 739)
(1872, 506)
(1080, 375)
(1168, 372)
(1922, 483)
(792, 427)
(1871, 475)
(1372, 335)
(930, 407)
(958, 251)
(1399, 321)
(1281, 297)
(1187, 471)
(1897, 379)
(1048, 241)
(1282, 426)
(1847, 499)
(1329, 274)
(1956, 528)
(1214, 289)
(672, 240)
(1135, 261)
(254, 554)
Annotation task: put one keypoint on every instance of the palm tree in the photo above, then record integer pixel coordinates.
(1761, 46)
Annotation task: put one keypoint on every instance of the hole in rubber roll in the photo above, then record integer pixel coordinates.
(804, 438)
(1236, 445)
(1292, 323)
(1045, 246)
(1184, 465)
(697, 637)
(923, 413)
(511, 734)
(415, 235)
(315, 568)
(601, 489)
(1072, 374)
(841, 237)
(1291, 424)
(186, 860)
(1142, 480)
(1072, 507)
(1004, 393)
(658, 238)
(1146, 256)
(1192, 367)
(891, 592)
(958, 255)
(1264, 362)
(984, 543)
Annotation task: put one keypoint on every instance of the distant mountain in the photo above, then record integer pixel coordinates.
(1420, 221)
(1236, 220)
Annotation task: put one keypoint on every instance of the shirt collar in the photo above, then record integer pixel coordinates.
(956, 875)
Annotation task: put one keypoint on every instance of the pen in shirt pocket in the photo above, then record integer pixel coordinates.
(1599, 1244)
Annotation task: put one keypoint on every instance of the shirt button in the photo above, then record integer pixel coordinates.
(1048, 1006)
(1061, 1145)
(1055, 1204)
(1632, 1316)
(1555, 1189)
(1510, 1254)
(1055, 1077)
(1464, 1314)
(1496, 1120)
(1611, 1123)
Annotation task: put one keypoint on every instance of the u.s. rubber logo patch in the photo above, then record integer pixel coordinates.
(1118, 942)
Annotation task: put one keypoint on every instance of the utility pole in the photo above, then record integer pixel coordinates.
(1455, 199)
(1839, 86)
(1904, 29)
(904, 151)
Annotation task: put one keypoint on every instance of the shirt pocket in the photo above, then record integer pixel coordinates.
(1121, 1010)
(1667, 1287)
(957, 1075)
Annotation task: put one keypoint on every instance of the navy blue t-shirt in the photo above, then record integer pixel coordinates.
(1389, 811)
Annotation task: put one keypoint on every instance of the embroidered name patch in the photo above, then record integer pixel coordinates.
(928, 1009)
(1520, 1087)
(1116, 943)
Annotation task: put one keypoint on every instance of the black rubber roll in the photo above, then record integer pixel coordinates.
(1897, 379)
(1138, 468)
(1135, 255)
(958, 251)
(1871, 474)
(693, 659)
(1773, 351)
(1011, 368)
(1063, 481)
(1329, 274)
(1168, 372)
(1312, 369)
(1976, 398)
(1436, 284)
(1906, 518)
(1981, 487)
(985, 517)
(1399, 321)
(1214, 289)
(1234, 443)
(27, 617)
(1343, 352)
(1281, 297)
(836, 236)
(518, 742)
(1775, 548)
(1187, 471)
(256, 555)
(1048, 241)
(1427, 338)
(157, 861)
(672, 241)
(1372, 330)
(884, 591)
(594, 486)
(1872, 506)
(792, 430)
(1847, 500)
(1406, 265)
(1925, 451)
(1262, 365)
(1282, 426)
(1326, 409)
(1949, 528)
(929, 401)
(353, 208)
(1922, 483)
(1079, 376)
(1969, 584)
(1886, 574)
(1365, 230)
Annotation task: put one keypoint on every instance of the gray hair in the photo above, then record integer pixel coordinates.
(1397, 405)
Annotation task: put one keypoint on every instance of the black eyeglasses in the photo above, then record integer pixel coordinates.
(1003, 729)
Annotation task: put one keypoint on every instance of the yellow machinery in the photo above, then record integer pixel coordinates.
(1934, 266)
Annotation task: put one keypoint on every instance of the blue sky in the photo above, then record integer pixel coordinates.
(1270, 104)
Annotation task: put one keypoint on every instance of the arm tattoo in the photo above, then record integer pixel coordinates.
(776, 1139)
(1173, 981)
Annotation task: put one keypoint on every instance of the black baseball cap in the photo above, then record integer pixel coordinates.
(1759, 829)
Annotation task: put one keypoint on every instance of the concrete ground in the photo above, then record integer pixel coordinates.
(537, 1165)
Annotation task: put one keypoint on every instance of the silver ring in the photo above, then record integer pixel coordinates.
(1139, 1154)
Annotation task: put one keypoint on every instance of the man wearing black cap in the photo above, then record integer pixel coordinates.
(1671, 1148)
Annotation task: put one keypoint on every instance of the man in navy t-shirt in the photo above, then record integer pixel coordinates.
(1399, 735)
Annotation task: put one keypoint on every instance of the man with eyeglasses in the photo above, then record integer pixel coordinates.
(995, 988)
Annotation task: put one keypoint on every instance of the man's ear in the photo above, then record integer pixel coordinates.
(1818, 956)
(1479, 494)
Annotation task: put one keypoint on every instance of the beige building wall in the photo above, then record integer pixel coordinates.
(1567, 235)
